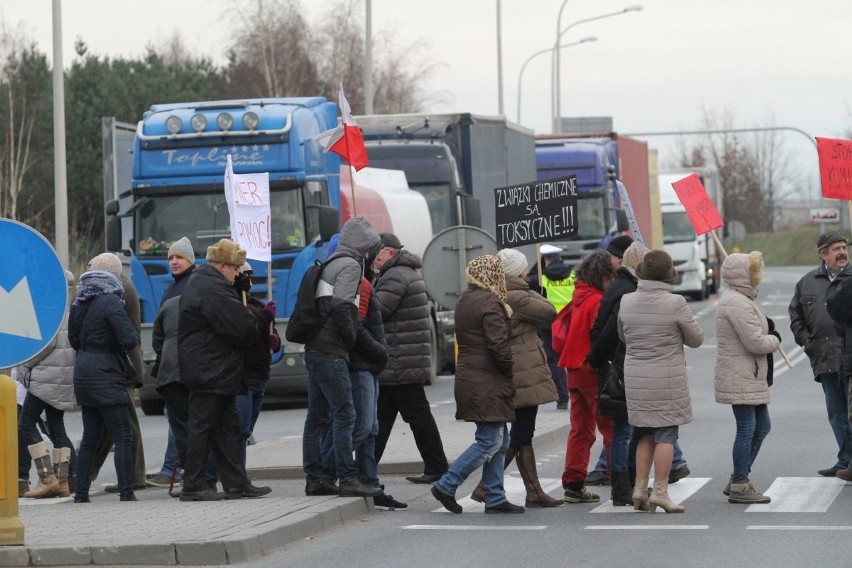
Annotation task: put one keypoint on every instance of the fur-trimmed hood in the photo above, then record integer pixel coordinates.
(743, 272)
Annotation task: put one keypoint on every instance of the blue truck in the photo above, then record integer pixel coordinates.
(598, 161)
(175, 159)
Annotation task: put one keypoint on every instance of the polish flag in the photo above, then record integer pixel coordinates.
(346, 140)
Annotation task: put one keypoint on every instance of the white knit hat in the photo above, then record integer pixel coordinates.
(514, 262)
(182, 248)
(107, 262)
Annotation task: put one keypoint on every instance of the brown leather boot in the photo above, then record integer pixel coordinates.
(478, 494)
(536, 496)
(61, 463)
(47, 486)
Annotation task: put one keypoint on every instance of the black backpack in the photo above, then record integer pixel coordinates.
(306, 322)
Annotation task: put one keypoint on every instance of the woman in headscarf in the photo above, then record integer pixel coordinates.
(484, 388)
(101, 332)
(655, 324)
(533, 383)
(744, 337)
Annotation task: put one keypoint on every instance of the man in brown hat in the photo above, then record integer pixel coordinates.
(814, 330)
(214, 331)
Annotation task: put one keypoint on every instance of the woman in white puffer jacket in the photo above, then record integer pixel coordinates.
(744, 339)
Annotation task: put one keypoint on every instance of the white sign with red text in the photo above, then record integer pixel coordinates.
(248, 203)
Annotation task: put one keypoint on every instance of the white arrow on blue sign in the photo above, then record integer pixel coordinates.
(33, 293)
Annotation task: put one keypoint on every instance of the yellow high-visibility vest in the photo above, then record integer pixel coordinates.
(559, 292)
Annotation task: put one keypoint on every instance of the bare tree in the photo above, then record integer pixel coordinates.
(17, 116)
(270, 50)
(755, 170)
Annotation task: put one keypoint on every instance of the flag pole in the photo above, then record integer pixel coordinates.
(352, 188)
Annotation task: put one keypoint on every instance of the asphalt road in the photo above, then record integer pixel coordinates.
(804, 526)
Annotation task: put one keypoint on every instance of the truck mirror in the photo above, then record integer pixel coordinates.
(112, 227)
(621, 222)
(329, 222)
(472, 212)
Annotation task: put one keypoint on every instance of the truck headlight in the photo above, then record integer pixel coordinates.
(174, 124)
(198, 122)
(250, 120)
(225, 121)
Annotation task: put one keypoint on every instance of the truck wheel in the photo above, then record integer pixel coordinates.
(153, 407)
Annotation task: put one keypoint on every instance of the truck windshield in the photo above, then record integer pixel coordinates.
(203, 218)
(677, 228)
(590, 214)
(439, 200)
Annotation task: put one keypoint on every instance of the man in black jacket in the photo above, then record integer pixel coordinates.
(814, 330)
(214, 330)
(401, 294)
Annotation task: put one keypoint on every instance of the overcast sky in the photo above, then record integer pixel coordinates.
(651, 70)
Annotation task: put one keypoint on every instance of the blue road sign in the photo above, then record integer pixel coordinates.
(33, 293)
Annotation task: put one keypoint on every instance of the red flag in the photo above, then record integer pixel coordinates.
(835, 167)
(346, 140)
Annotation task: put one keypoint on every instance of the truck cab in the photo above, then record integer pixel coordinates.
(178, 162)
(593, 164)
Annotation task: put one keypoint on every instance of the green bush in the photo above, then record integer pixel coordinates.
(796, 247)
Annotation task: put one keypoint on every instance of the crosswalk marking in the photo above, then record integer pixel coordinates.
(789, 495)
(798, 528)
(472, 528)
(647, 527)
(800, 495)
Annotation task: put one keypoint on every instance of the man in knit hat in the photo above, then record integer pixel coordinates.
(181, 257)
(814, 329)
(111, 263)
(215, 331)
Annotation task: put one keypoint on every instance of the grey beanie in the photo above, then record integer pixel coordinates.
(514, 262)
(183, 248)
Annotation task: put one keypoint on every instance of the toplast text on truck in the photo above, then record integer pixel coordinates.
(176, 189)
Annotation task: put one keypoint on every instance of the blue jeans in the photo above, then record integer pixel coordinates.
(97, 421)
(170, 457)
(28, 428)
(752, 427)
(488, 450)
(835, 388)
(678, 461)
(248, 409)
(329, 398)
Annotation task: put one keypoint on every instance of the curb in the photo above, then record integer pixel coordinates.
(240, 547)
(296, 472)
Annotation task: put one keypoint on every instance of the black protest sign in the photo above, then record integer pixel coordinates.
(536, 212)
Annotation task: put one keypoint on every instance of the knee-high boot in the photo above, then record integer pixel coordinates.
(536, 496)
(61, 463)
(47, 486)
(621, 494)
(478, 494)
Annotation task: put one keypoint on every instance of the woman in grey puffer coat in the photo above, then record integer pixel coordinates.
(744, 338)
(49, 380)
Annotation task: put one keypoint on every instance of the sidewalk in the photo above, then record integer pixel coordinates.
(162, 530)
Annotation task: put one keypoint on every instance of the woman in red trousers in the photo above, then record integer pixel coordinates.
(592, 276)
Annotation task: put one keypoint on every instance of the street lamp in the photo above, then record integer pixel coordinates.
(536, 54)
(557, 117)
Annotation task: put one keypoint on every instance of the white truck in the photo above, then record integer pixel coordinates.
(696, 257)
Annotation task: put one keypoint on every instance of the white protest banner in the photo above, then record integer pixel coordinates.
(229, 194)
(250, 217)
(628, 210)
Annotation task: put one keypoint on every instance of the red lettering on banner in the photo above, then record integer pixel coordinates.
(835, 167)
(699, 208)
(255, 234)
(245, 193)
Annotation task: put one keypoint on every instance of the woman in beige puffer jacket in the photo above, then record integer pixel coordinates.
(743, 340)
